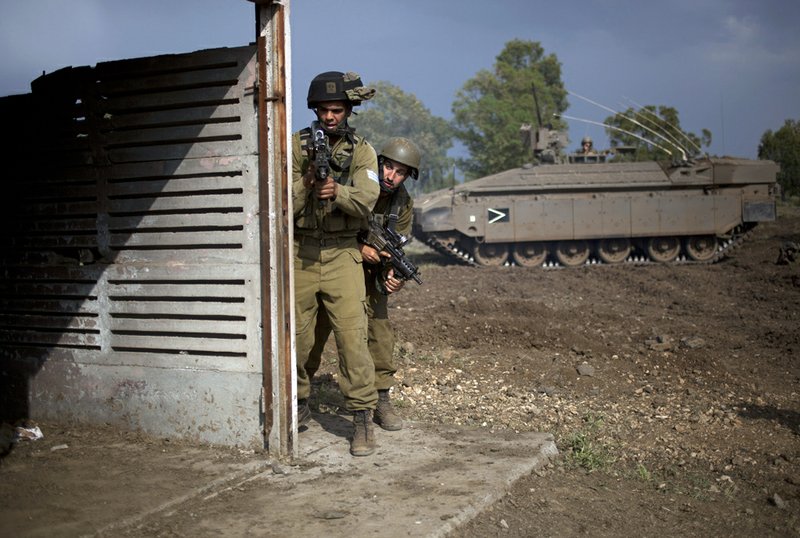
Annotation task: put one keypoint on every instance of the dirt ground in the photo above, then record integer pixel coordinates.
(672, 391)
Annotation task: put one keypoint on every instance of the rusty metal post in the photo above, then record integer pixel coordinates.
(277, 299)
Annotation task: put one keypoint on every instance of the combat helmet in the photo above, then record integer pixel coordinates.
(586, 140)
(338, 86)
(403, 151)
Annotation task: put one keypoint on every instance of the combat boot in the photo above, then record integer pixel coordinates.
(303, 411)
(385, 415)
(363, 441)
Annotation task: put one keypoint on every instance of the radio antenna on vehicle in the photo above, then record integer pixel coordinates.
(646, 128)
(613, 128)
(683, 135)
(655, 125)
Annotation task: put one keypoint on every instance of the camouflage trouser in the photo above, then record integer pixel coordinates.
(380, 337)
(330, 275)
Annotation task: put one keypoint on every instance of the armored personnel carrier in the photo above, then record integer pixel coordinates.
(571, 212)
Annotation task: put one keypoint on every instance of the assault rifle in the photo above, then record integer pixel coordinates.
(322, 154)
(387, 240)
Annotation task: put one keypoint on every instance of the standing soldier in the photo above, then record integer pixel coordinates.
(332, 197)
(398, 159)
(587, 146)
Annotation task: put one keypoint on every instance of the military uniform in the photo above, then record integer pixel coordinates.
(381, 337)
(328, 265)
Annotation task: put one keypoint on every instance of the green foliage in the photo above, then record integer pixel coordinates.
(661, 126)
(783, 147)
(491, 107)
(585, 450)
(643, 474)
(393, 112)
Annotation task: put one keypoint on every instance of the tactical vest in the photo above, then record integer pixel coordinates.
(340, 162)
(316, 219)
(391, 212)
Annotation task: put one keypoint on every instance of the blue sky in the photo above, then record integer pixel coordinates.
(731, 66)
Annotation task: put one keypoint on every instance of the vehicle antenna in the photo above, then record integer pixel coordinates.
(686, 137)
(536, 103)
(643, 139)
(646, 128)
(655, 125)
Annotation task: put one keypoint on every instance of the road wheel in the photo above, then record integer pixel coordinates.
(490, 253)
(530, 253)
(701, 248)
(614, 250)
(572, 253)
(663, 249)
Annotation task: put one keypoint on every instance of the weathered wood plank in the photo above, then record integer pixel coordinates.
(227, 293)
(54, 241)
(230, 203)
(164, 308)
(188, 269)
(48, 190)
(195, 115)
(65, 225)
(146, 359)
(183, 326)
(165, 168)
(204, 344)
(173, 99)
(49, 338)
(88, 273)
(30, 321)
(196, 150)
(210, 239)
(227, 73)
(62, 306)
(172, 62)
(193, 220)
(160, 135)
(160, 187)
(49, 209)
(235, 258)
(61, 289)
(45, 173)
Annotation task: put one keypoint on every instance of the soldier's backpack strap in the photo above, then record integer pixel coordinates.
(306, 143)
(342, 172)
(398, 201)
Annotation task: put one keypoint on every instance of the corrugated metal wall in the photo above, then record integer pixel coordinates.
(130, 287)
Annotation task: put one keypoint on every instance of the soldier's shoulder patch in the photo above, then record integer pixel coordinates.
(373, 175)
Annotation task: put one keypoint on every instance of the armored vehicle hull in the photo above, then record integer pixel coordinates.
(576, 214)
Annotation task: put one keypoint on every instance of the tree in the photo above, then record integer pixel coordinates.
(491, 107)
(393, 112)
(660, 126)
(783, 147)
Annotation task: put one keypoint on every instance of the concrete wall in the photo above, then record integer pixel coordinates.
(130, 286)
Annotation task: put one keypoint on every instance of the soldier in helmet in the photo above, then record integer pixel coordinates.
(587, 146)
(329, 209)
(398, 160)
